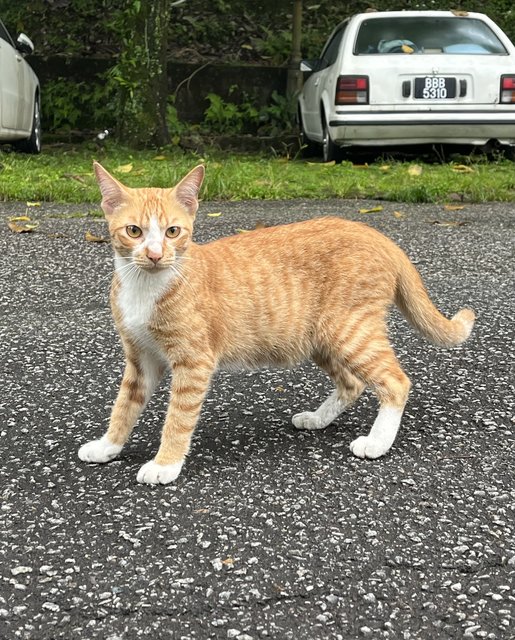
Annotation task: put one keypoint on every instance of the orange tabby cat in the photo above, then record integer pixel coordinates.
(315, 290)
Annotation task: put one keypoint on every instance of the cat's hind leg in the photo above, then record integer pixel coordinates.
(382, 372)
(348, 389)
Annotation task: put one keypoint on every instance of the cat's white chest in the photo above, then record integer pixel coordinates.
(137, 297)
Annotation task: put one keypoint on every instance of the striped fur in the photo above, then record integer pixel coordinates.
(315, 290)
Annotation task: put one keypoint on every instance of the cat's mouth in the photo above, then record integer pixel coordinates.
(151, 266)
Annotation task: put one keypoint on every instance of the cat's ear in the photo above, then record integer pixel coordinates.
(187, 190)
(114, 193)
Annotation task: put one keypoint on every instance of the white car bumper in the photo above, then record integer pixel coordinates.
(412, 127)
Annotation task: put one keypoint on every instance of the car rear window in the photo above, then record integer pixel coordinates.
(427, 35)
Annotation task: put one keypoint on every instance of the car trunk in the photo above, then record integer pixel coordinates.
(436, 80)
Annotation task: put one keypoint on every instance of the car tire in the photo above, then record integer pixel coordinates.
(330, 151)
(33, 143)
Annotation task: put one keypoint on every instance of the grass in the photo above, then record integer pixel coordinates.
(64, 174)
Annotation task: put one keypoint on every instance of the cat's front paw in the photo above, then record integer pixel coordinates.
(367, 447)
(153, 473)
(307, 420)
(99, 450)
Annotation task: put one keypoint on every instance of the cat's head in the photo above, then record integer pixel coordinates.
(151, 227)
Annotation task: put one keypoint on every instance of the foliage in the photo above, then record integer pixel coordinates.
(273, 119)
(229, 30)
(128, 33)
(68, 104)
(64, 174)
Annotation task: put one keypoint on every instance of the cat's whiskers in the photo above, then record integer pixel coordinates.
(128, 274)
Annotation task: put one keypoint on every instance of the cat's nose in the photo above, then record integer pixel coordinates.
(155, 257)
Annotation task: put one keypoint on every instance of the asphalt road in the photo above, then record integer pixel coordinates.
(268, 532)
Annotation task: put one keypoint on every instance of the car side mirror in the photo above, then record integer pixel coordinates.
(24, 44)
(309, 65)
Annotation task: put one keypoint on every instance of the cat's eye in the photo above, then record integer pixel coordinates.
(133, 231)
(173, 232)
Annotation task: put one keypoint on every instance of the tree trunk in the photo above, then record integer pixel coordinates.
(142, 76)
(294, 82)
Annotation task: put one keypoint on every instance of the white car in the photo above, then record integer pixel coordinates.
(20, 113)
(410, 77)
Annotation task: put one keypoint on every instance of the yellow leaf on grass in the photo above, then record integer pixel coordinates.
(160, 158)
(415, 170)
(124, 168)
(361, 166)
(454, 207)
(33, 204)
(215, 215)
(372, 210)
(462, 168)
(90, 237)
(384, 167)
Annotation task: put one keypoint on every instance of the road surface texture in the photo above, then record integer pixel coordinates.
(268, 532)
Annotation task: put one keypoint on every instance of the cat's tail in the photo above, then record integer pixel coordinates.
(414, 302)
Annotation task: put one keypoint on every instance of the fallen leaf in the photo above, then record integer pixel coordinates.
(20, 219)
(260, 225)
(90, 237)
(228, 562)
(384, 167)
(454, 207)
(124, 168)
(215, 215)
(242, 230)
(26, 227)
(361, 166)
(448, 223)
(415, 170)
(372, 210)
(407, 49)
(462, 168)
(160, 158)
(399, 214)
(33, 204)
(56, 235)
(73, 176)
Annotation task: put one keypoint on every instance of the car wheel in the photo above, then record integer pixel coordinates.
(33, 144)
(330, 151)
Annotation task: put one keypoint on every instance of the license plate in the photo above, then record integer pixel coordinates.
(435, 88)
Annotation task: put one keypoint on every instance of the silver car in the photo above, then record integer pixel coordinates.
(20, 113)
(410, 77)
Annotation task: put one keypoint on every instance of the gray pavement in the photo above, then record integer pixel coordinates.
(268, 532)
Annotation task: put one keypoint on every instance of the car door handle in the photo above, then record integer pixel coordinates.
(317, 82)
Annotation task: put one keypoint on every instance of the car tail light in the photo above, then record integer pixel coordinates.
(508, 89)
(352, 90)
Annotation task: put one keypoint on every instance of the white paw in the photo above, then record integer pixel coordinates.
(367, 447)
(307, 420)
(153, 473)
(99, 450)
